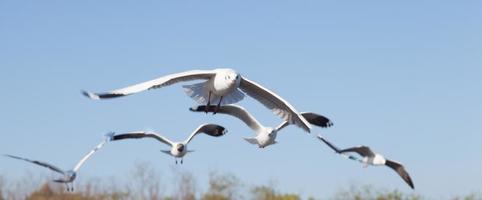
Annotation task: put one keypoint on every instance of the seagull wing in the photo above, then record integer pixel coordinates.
(235, 111)
(43, 164)
(142, 134)
(336, 149)
(209, 129)
(88, 155)
(312, 118)
(274, 102)
(398, 167)
(153, 84)
(317, 120)
(282, 126)
(364, 151)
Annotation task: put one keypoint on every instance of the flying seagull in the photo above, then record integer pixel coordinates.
(224, 86)
(371, 158)
(68, 176)
(178, 149)
(264, 135)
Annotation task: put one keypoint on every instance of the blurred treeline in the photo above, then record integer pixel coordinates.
(144, 184)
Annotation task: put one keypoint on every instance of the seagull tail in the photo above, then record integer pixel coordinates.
(197, 92)
(234, 97)
(251, 140)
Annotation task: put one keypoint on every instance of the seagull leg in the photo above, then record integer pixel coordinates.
(175, 161)
(181, 160)
(219, 105)
(209, 103)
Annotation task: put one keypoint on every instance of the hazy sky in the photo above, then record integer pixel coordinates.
(404, 78)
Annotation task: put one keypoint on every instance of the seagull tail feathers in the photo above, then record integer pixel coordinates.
(197, 92)
(251, 140)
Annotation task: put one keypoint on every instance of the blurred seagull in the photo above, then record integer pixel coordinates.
(265, 136)
(371, 158)
(178, 149)
(68, 175)
(222, 85)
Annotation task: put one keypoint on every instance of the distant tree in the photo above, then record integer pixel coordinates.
(51, 192)
(2, 188)
(144, 183)
(186, 186)
(222, 187)
(473, 196)
(367, 192)
(269, 193)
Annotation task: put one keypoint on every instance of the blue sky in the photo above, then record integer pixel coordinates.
(401, 77)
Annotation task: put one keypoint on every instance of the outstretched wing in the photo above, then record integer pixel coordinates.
(209, 129)
(142, 134)
(398, 167)
(312, 118)
(364, 151)
(91, 152)
(274, 102)
(317, 120)
(43, 164)
(235, 111)
(153, 84)
(336, 149)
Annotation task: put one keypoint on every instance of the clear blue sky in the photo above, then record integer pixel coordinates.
(404, 78)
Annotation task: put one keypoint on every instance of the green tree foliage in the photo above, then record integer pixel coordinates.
(222, 187)
(269, 193)
(368, 192)
(2, 188)
(144, 184)
(186, 186)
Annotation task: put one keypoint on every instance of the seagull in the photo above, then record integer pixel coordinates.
(178, 149)
(223, 85)
(371, 158)
(68, 176)
(265, 136)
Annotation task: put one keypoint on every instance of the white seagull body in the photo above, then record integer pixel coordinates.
(178, 149)
(371, 158)
(222, 85)
(68, 176)
(265, 135)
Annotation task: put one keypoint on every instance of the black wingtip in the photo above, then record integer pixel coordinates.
(317, 120)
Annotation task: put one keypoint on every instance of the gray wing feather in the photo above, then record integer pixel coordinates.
(213, 130)
(43, 164)
(235, 111)
(274, 102)
(336, 149)
(362, 150)
(401, 171)
(142, 134)
(153, 84)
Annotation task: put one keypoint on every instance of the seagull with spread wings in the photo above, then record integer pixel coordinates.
(68, 176)
(224, 86)
(178, 149)
(371, 158)
(265, 136)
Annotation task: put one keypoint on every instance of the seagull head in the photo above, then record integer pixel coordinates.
(180, 147)
(231, 76)
(271, 132)
(70, 175)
